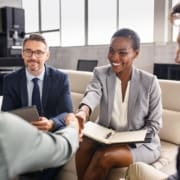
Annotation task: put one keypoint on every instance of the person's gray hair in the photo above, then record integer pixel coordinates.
(36, 37)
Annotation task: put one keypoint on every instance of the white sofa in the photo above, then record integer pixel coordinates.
(169, 134)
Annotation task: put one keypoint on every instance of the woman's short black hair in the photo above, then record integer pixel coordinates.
(175, 9)
(129, 33)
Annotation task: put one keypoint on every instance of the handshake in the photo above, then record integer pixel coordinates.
(78, 119)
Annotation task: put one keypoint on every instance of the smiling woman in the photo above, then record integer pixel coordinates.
(129, 99)
(124, 48)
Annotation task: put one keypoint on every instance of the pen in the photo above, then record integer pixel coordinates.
(108, 135)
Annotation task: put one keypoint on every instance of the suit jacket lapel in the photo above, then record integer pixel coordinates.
(46, 86)
(23, 88)
(111, 80)
(133, 94)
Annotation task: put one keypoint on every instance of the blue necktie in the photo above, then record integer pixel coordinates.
(36, 95)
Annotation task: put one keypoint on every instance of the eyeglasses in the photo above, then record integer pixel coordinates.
(37, 53)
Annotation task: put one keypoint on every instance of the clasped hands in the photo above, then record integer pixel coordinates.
(78, 119)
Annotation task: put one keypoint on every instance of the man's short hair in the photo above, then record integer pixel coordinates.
(35, 37)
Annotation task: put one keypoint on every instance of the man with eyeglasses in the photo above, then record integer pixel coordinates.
(53, 89)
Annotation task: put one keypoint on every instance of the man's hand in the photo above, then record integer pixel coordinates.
(43, 124)
(69, 117)
(72, 119)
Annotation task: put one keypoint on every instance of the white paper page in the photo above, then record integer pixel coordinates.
(128, 136)
(96, 131)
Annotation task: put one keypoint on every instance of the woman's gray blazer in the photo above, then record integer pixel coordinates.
(144, 105)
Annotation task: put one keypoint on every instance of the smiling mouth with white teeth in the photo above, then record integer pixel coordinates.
(116, 64)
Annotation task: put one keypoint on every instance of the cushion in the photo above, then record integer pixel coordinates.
(76, 98)
(167, 160)
(170, 94)
(68, 171)
(171, 126)
(78, 80)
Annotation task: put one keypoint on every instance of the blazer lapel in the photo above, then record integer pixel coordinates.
(111, 80)
(133, 94)
(46, 86)
(23, 88)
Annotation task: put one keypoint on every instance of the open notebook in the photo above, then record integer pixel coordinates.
(28, 113)
(109, 136)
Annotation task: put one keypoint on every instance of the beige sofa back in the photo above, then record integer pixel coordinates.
(78, 83)
(171, 111)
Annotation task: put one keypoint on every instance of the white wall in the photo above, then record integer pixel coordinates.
(66, 57)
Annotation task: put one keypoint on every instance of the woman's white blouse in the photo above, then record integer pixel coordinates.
(119, 119)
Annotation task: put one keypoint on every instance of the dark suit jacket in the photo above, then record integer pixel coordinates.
(56, 98)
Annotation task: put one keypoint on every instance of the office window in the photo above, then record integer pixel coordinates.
(31, 15)
(50, 14)
(52, 38)
(69, 21)
(72, 22)
(139, 16)
(101, 21)
(45, 21)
